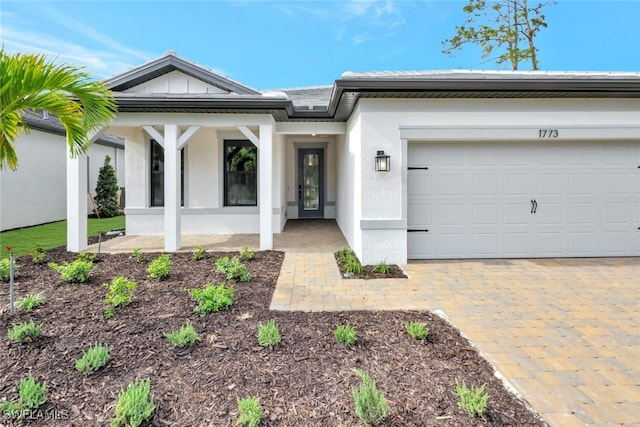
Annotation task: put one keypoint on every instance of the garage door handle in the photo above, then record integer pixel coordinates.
(535, 206)
(531, 206)
(414, 230)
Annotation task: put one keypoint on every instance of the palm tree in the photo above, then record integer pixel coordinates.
(30, 82)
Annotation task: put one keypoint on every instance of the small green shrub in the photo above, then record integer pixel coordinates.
(118, 295)
(31, 301)
(417, 330)
(353, 265)
(212, 298)
(246, 254)
(250, 412)
(382, 268)
(74, 272)
(137, 254)
(371, 406)
(93, 359)
(159, 267)
(345, 334)
(5, 269)
(343, 254)
(25, 332)
(198, 254)
(134, 405)
(186, 336)
(38, 254)
(233, 268)
(31, 397)
(269, 334)
(84, 256)
(472, 400)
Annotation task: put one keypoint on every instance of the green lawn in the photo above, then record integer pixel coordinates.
(24, 240)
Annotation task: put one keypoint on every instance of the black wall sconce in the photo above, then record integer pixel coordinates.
(383, 162)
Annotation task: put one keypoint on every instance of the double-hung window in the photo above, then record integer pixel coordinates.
(157, 175)
(240, 173)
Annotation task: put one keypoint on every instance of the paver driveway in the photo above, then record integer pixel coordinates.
(564, 332)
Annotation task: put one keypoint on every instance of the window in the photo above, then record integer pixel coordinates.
(157, 175)
(240, 177)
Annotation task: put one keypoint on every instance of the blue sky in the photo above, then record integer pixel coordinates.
(279, 44)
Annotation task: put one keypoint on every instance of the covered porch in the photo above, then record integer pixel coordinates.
(295, 237)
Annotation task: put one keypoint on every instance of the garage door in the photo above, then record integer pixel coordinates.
(481, 200)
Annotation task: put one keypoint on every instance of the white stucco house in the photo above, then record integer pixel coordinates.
(35, 193)
(482, 164)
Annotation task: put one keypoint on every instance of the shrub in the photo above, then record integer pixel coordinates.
(233, 268)
(84, 256)
(417, 330)
(345, 334)
(371, 406)
(246, 254)
(134, 405)
(118, 294)
(93, 359)
(31, 301)
(269, 334)
(353, 265)
(198, 254)
(31, 397)
(212, 298)
(5, 269)
(472, 400)
(186, 336)
(38, 254)
(382, 268)
(107, 190)
(74, 272)
(25, 332)
(250, 412)
(137, 254)
(343, 254)
(159, 267)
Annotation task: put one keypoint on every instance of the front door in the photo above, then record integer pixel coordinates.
(311, 183)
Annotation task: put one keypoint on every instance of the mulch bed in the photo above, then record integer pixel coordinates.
(305, 381)
(368, 273)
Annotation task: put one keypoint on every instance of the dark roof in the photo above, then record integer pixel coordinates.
(49, 123)
(336, 102)
(172, 62)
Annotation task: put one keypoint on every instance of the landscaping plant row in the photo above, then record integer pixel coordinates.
(135, 404)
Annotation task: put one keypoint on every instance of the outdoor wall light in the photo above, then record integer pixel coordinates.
(383, 162)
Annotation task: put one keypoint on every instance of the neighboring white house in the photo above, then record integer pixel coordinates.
(482, 164)
(36, 192)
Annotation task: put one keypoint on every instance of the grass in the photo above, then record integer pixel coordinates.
(51, 235)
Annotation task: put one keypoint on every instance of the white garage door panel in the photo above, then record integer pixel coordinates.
(475, 199)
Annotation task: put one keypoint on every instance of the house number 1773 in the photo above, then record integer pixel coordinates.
(548, 133)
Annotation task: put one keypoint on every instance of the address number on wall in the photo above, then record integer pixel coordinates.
(548, 133)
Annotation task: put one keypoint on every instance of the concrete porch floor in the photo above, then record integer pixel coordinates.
(564, 333)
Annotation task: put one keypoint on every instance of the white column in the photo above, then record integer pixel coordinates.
(77, 188)
(265, 155)
(172, 229)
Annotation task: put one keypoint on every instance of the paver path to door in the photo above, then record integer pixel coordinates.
(564, 332)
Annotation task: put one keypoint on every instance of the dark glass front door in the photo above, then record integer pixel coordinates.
(311, 183)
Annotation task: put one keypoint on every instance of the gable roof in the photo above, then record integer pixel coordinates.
(336, 102)
(170, 61)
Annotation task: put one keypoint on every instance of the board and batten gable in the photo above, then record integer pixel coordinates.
(175, 82)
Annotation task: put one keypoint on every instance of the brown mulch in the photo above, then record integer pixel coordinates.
(305, 381)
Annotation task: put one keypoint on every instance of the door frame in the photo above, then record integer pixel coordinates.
(300, 152)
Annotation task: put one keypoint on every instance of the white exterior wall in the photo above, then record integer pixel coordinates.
(36, 192)
(379, 120)
(204, 211)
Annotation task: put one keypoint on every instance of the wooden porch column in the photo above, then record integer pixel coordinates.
(265, 160)
(77, 188)
(172, 228)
